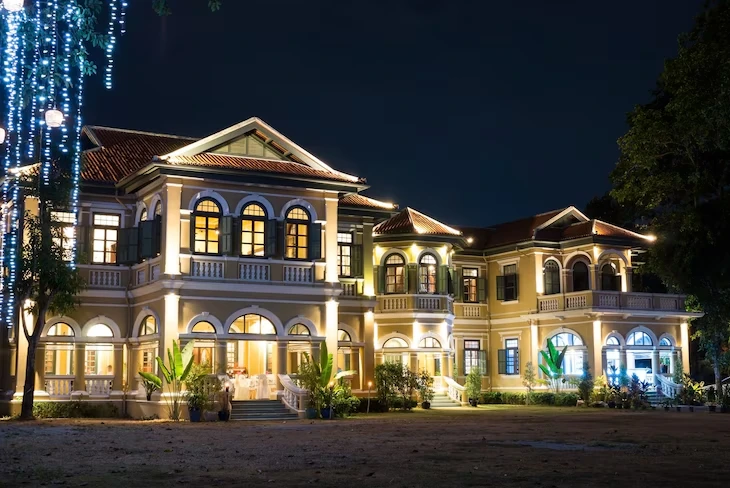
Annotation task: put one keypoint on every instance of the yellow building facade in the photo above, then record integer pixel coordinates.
(252, 247)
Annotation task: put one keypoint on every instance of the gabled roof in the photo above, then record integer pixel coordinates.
(410, 221)
(361, 201)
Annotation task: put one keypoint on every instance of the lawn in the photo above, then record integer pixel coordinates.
(489, 446)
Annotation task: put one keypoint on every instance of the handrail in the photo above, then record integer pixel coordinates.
(455, 391)
(294, 397)
(669, 388)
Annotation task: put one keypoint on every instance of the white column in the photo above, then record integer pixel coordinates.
(684, 337)
(534, 345)
(367, 258)
(330, 240)
(331, 320)
(655, 365)
(539, 281)
(171, 217)
(597, 348)
(368, 357)
(281, 353)
(170, 330)
(118, 368)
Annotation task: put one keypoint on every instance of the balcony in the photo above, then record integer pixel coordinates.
(611, 300)
(415, 303)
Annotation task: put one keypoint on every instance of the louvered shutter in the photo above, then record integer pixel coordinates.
(280, 239)
(457, 283)
(226, 236)
(157, 240)
(123, 247)
(356, 261)
(410, 278)
(442, 280)
(483, 362)
(315, 241)
(380, 276)
(517, 286)
(82, 244)
(500, 287)
(147, 239)
(481, 289)
(271, 238)
(502, 361)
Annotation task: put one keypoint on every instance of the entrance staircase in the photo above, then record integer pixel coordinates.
(654, 397)
(442, 400)
(249, 410)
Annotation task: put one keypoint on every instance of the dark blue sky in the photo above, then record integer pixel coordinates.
(474, 112)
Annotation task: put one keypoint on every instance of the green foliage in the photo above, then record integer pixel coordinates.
(509, 398)
(202, 387)
(74, 409)
(162, 7)
(425, 386)
(474, 384)
(529, 380)
(151, 383)
(395, 385)
(692, 392)
(344, 403)
(553, 365)
(586, 385)
(636, 394)
(175, 374)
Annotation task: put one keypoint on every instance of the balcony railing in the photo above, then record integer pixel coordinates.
(615, 300)
(417, 303)
(59, 385)
(99, 385)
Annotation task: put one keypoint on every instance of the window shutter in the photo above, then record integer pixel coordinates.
(442, 280)
(458, 283)
(500, 288)
(462, 370)
(483, 362)
(517, 361)
(157, 241)
(315, 241)
(133, 244)
(356, 261)
(147, 245)
(271, 237)
(482, 289)
(226, 237)
(502, 361)
(123, 247)
(82, 244)
(280, 239)
(617, 283)
(517, 287)
(380, 276)
(410, 278)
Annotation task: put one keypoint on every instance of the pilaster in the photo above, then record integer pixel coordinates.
(171, 224)
(330, 239)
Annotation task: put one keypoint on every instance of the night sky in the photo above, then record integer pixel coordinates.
(474, 112)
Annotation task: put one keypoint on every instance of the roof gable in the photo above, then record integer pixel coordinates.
(410, 221)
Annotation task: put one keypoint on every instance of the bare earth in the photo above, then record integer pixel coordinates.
(488, 446)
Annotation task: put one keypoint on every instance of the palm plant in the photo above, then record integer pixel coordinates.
(175, 375)
(319, 377)
(553, 364)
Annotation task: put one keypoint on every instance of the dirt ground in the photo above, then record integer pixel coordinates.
(488, 446)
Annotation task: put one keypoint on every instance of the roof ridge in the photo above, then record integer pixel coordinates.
(140, 132)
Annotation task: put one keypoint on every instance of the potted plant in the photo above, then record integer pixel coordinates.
(195, 406)
(473, 386)
(201, 390)
(425, 389)
(316, 378)
(712, 406)
(326, 395)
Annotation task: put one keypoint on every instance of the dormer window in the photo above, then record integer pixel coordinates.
(427, 274)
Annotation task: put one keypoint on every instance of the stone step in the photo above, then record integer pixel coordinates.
(250, 410)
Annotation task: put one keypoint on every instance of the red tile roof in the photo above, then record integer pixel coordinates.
(411, 221)
(361, 201)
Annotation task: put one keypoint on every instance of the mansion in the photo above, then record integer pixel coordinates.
(258, 251)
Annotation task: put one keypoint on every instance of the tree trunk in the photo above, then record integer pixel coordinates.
(718, 379)
(26, 411)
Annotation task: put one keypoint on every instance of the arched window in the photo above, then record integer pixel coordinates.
(580, 276)
(665, 342)
(253, 230)
(551, 274)
(609, 279)
(639, 338)
(299, 329)
(100, 330)
(61, 330)
(297, 233)
(203, 328)
(343, 336)
(566, 339)
(395, 343)
(252, 324)
(207, 219)
(429, 343)
(143, 215)
(157, 211)
(394, 274)
(612, 341)
(427, 274)
(148, 326)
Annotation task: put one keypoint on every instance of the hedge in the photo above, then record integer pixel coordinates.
(74, 409)
(509, 398)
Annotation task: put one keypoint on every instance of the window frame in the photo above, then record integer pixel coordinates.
(297, 225)
(106, 240)
(397, 288)
(253, 232)
(587, 276)
(554, 274)
(471, 355)
(430, 276)
(470, 284)
(341, 246)
(207, 216)
(64, 242)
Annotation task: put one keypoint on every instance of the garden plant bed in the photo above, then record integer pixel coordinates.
(484, 446)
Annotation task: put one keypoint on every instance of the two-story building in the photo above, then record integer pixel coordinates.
(258, 251)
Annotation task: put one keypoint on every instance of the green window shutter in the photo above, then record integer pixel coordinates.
(502, 361)
(410, 278)
(123, 247)
(356, 261)
(226, 236)
(315, 241)
(82, 244)
(458, 283)
(147, 244)
(271, 237)
(500, 287)
(380, 274)
(280, 238)
(442, 280)
(481, 289)
(483, 362)
(617, 283)
(462, 369)
(157, 241)
(517, 287)
(517, 361)
(133, 242)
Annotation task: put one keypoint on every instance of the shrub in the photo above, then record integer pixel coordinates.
(585, 387)
(541, 398)
(566, 400)
(407, 405)
(74, 409)
(395, 384)
(375, 406)
(474, 384)
(491, 398)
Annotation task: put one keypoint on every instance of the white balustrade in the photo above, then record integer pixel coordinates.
(99, 385)
(394, 303)
(254, 272)
(575, 301)
(294, 397)
(105, 278)
(608, 300)
(455, 391)
(207, 269)
(298, 274)
(59, 386)
(349, 289)
(638, 302)
(668, 387)
(428, 303)
(549, 304)
(472, 311)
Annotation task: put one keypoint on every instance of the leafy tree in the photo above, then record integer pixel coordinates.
(674, 170)
(585, 387)
(45, 282)
(529, 380)
(162, 7)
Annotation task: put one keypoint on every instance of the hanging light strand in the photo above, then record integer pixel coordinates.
(76, 164)
(111, 42)
(66, 53)
(51, 36)
(34, 120)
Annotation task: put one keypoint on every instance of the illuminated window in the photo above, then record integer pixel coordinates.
(158, 209)
(148, 326)
(100, 330)
(64, 224)
(99, 359)
(231, 355)
(394, 274)
(60, 329)
(509, 357)
(665, 342)
(551, 274)
(639, 339)
(105, 235)
(297, 233)
(343, 336)
(147, 360)
(566, 339)
(253, 230)
(471, 356)
(203, 354)
(207, 217)
(612, 341)
(395, 343)
(344, 253)
(429, 343)
(427, 274)
(58, 360)
(252, 324)
(299, 329)
(573, 359)
(143, 215)
(470, 276)
(203, 327)
(580, 276)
